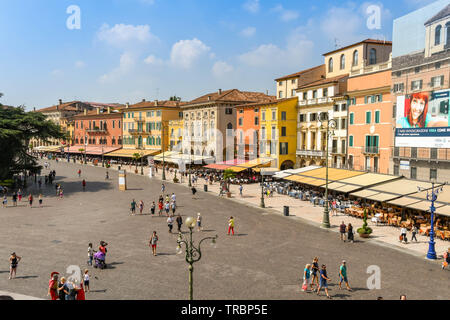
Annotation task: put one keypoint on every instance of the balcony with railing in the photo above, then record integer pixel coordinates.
(136, 132)
(310, 153)
(371, 150)
(96, 130)
(139, 119)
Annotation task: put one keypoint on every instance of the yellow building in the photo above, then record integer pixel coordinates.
(146, 127)
(278, 132)
(176, 135)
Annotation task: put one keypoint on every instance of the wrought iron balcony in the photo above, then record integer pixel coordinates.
(137, 132)
(371, 150)
(311, 153)
(96, 130)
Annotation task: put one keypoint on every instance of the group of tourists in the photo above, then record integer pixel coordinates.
(67, 289)
(313, 275)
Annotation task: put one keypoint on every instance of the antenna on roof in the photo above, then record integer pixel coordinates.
(336, 45)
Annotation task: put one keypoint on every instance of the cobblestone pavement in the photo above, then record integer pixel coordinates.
(264, 260)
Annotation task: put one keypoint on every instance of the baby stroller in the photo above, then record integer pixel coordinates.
(99, 258)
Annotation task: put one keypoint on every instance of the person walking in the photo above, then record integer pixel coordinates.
(57, 186)
(153, 242)
(403, 235)
(163, 188)
(53, 286)
(80, 292)
(83, 183)
(133, 207)
(14, 199)
(40, 200)
(62, 287)
(174, 198)
(5, 201)
(194, 191)
(106, 178)
(61, 193)
(160, 207)
(30, 200)
(342, 229)
(90, 254)
(14, 262)
(19, 195)
(179, 221)
(240, 189)
(414, 232)
(343, 276)
(324, 281)
(314, 270)
(141, 206)
(173, 207)
(170, 223)
(167, 208)
(231, 225)
(446, 261)
(86, 280)
(152, 208)
(306, 278)
(350, 234)
(199, 222)
(79, 173)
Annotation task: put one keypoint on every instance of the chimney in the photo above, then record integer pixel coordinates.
(156, 103)
(267, 92)
(109, 109)
(34, 109)
(143, 100)
(98, 110)
(127, 105)
(220, 92)
(85, 111)
(60, 101)
(209, 98)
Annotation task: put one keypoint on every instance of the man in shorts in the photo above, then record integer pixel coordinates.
(342, 229)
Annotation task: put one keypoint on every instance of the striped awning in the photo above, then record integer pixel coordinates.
(259, 162)
(129, 153)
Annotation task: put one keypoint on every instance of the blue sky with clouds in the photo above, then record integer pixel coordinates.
(127, 50)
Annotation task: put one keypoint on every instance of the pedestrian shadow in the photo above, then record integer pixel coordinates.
(26, 277)
(359, 289)
(208, 230)
(340, 295)
(167, 254)
(4, 271)
(135, 189)
(98, 291)
(240, 235)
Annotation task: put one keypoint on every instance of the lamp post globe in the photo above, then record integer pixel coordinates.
(189, 222)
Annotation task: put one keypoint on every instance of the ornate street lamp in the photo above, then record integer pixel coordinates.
(331, 124)
(142, 165)
(164, 159)
(432, 197)
(190, 162)
(103, 160)
(193, 253)
(262, 204)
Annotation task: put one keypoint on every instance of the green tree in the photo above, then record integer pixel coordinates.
(228, 174)
(17, 128)
(136, 157)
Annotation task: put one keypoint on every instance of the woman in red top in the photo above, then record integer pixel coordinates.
(53, 286)
(80, 293)
(160, 206)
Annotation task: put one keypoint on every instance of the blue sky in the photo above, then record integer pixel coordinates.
(128, 50)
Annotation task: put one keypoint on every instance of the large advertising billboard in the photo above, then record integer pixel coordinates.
(423, 120)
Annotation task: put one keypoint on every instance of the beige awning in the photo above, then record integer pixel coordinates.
(402, 187)
(423, 205)
(404, 201)
(382, 197)
(129, 153)
(362, 181)
(364, 193)
(443, 211)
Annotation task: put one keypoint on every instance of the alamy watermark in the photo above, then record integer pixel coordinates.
(74, 20)
(374, 281)
(374, 17)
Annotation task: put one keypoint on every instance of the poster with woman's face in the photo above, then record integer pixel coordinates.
(423, 116)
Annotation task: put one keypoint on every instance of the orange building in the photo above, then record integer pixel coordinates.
(371, 121)
(248, 120)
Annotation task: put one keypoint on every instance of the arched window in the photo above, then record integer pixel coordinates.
(437, 35)
(212, 128)
(373, 56)
(330, 65)
(229, 129)
(447, 26)
(355, 58)
(342, 62)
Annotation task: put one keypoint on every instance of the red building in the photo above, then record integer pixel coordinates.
(98, 132)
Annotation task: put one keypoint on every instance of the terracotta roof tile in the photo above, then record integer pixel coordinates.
(358, 43)
(165, 103)
(323, 81)
(233, 95)
(68, 106)
(300, 73)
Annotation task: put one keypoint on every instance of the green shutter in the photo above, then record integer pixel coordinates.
(365, 99)
(368, 117)
(350, 142)
(352, 118)
(377, 116)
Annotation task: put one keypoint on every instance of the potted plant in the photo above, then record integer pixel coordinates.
(365, 231)
(227, 175)
(136, 157)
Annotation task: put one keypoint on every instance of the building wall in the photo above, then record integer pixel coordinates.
(113, 132)
(248, 130)
(276, 138)
(286, 87)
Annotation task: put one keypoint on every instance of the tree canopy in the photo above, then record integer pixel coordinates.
(17, 128)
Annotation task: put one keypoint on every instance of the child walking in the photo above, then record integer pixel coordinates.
(86, 280)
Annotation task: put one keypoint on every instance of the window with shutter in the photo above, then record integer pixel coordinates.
(352, 118)
(350, 141)
(368, 117)
(377, 116)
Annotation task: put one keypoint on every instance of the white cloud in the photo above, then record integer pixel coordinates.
(126, 64)
(186, 52)
(57, 72)
(248, 32)
(122, 35)
(285, 14)
(221, 68)
(152, 60)
(80, 64)
(251, 6)
(261, 55)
